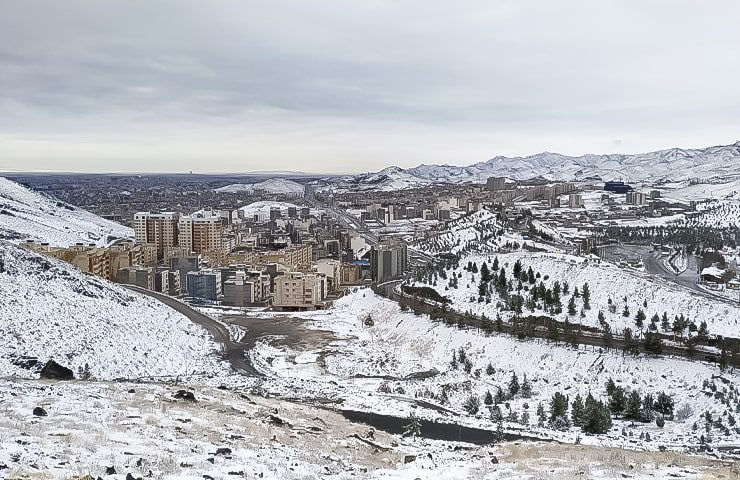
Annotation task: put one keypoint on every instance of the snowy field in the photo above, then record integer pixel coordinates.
(141, 430)
(26, 214)
(605, 280)
(276, 186)
(49, 309)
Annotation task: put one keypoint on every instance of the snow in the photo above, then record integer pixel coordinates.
(354, 367)
(605, 281)
(269, 186)
(26, 214)
(717, 164)
(51, 310)
(263, 208)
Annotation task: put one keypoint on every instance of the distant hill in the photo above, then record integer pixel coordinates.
(270, 186)
(26, 214)
(717, 165)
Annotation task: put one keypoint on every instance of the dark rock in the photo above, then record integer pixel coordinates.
(131, 477)
(110, 470)
(39, 412)
(275, 420)
(53, 371)
(131, 390)
(223, 451)
(208, 477)
(239, 473)
(186, 395)
(409, 458)
(211, 460)
(494, 460)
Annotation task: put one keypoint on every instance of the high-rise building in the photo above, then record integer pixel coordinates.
(575, 200)
(496, 183)
(156, 229)
(201, 232)
(388, 260)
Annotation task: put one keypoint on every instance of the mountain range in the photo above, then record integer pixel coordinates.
(718, 164)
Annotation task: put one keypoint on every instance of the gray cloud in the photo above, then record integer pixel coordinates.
(347, 86)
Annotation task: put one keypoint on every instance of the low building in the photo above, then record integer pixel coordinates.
(299, 291)
(247, 288)
(204, 285)
(142, 277)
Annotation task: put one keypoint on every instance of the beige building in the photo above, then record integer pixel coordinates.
(299, 291)
(156, 229)
(201, 232)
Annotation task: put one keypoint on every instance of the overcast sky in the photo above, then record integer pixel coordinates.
(351, 85)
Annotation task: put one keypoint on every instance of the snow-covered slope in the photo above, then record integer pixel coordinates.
(26, 214)
(49, 309)
(386, 180)
(720, 163)
(275, 186)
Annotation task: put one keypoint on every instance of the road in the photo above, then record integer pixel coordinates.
(234, 352)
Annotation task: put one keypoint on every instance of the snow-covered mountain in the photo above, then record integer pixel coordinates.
(271, 186)
(26, 214)
(719, 164)
(51, 310)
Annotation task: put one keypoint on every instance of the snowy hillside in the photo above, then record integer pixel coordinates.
(26, 214)
(720, 163)
(370, 367)
(49, 309)
(478, 231)
(277, 186)
(387, 180)
(262, 209)
(606, 282)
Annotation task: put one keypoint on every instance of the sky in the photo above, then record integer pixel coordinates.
(342, 86)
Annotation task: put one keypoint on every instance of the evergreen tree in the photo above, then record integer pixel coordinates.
(630, 344)
(664, 405)
(488, 400)
(530, 276)
(517, 269)
(634, 406)
(664, 324)
(485, 274)
(703, 332)
(526, 388)
(413, 428)
(495, 264)
(601, 317)
(577, 411)
(572, 306)
(489, 369)
(617, 401)
(472, 404)
(513, 385)
(598, 420)
(640, 319)
(586, 297)
(500, 398)
(558, 406)
(626, 312)
(541, 415)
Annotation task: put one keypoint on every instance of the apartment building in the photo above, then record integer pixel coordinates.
(299, 291)
(201, 232)
(204, 285)
(156, 229)
(246, 288)
(388, 260)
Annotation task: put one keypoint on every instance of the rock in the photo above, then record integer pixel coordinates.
(53, 371)
(494, 460)
(275, 420)
(223, 451)
(110, 470)
(186, 395)
(208, 477)
(39, 412)
(131, 390)
(211, 460)
(131, 477)
(409, 458)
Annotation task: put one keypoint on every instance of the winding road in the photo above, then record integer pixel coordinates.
(234, 352)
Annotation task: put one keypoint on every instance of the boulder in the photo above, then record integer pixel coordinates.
(53, 371)
(185, 395)
(39, 412)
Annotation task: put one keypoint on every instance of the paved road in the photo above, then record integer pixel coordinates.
(234, 352)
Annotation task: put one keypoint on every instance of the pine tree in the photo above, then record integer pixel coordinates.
(413, 428)
(489, 369)
(517, 269)
(664, 324)
(634, 406)
(541, 416)
(495, 264)
(558, 406)
(626, 312)
(577, 412)
(485, 274)
(472, 404)
(526, 388)
(500, 398)
(572, 306)
(488, 400)
(601, 317)
(703, 332)
(640, 319)
(598, 420)
(513, 385)
(617, 401)
(586, 297)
